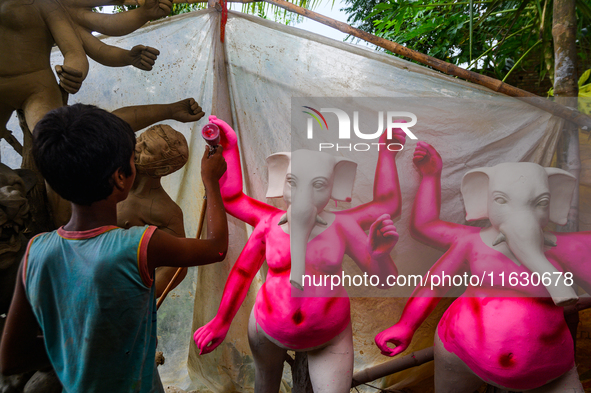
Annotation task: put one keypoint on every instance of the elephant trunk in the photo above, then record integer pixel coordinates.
(302, 218)
(526, 240)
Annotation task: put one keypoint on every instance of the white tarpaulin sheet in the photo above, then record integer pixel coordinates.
(269, 64)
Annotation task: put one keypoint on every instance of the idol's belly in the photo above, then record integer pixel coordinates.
(299, 322)
(517, 343)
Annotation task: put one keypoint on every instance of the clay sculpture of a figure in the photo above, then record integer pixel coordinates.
(14, 213)
(138, 117)
(317, 321)
(30, 29)
(159, 151)
(14, 217)
(506, 330)
(86, 21)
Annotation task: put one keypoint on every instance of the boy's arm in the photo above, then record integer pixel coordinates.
(21, 349)
(236, 201)
(140, 56)
(165, 249)
(142, 116)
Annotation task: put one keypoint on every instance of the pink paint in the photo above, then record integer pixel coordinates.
(317, 315)
(515, 341)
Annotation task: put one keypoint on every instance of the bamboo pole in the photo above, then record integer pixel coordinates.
(393, 366)
(178, 271)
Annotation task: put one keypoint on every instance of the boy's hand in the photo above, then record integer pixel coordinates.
(228, 137)
(143, 57)
(213, 166)
(185, 111)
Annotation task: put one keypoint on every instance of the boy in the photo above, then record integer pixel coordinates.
(88, 285)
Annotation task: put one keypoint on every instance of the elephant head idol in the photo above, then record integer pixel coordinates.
(509, 333)
(308, 240)
(519, 199)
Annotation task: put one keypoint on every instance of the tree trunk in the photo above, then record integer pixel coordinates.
(566, 91)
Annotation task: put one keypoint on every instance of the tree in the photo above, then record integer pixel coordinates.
(495, 38)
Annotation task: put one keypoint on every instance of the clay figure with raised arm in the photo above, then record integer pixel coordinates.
(159, 151)
(509, 333)
(290, 313)
(139, 117)
(30, 29)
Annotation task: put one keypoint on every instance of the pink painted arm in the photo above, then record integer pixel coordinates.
(237, 203)
(422, 302)
(386, 189)
(373, 256)
(211, 335)
(425, 224)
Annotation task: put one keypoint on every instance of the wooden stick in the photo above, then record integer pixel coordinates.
(393, 366)
(178, 271)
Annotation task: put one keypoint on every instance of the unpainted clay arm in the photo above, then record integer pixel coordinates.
(142, 116)
(139, 56)
(386, 188)
(237, 202)
(75, 68)
(21, 349)
(209, 336)
(91, 3)
(373, 255)
(422, 302)
(425, 224)
(122, 23)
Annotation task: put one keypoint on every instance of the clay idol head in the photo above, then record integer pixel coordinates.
(160, 151)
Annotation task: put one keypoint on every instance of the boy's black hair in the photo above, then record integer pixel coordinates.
(77, 148)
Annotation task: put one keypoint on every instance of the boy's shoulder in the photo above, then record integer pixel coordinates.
(133, 236)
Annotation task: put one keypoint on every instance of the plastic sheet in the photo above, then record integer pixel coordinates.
(268, 64)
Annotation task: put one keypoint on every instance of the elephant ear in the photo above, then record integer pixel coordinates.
(562, 186)
(344, 177)
(277, 165)
(475, 193)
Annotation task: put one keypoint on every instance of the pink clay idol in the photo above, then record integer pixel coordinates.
(510, 335)
(304, 240)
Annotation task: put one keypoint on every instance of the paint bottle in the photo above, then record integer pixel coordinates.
(211, 134)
